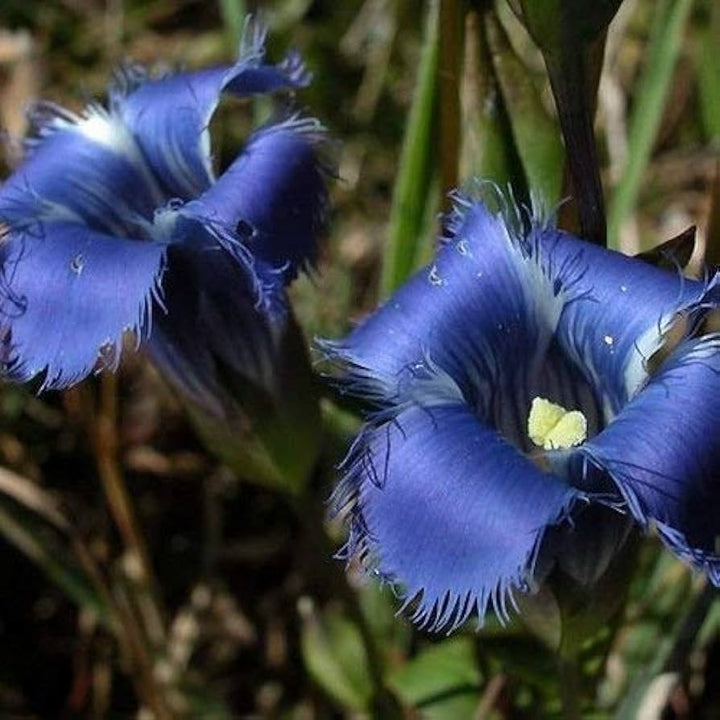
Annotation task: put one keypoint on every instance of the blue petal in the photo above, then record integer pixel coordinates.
(478, 324)
(170, 116)
(216, 325)
(663, 454)
(68, 296)
(616, 312)
(441, 505)
(473, 312)
(81, 169)
(272, 199)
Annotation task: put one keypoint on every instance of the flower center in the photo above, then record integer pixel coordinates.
(552, 427)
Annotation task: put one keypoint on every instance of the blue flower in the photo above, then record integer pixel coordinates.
(115, 221)
(524, 418)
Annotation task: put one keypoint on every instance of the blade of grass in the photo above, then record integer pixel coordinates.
(414, 177)
(233, 13)
(41, 544)
(27, 493)
(663, 49)
(709, 75)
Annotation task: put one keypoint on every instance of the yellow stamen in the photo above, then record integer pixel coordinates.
(552, 427)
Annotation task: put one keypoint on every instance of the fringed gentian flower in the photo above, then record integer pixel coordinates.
(115, 221)
(524, 418)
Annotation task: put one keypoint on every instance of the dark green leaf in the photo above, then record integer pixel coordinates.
(334, 655)
(413, 182)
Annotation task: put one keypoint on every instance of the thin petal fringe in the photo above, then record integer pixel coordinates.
(432, 609)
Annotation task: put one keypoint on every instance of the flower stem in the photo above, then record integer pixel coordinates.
(143, 629)
(570, 691)
(137, 558)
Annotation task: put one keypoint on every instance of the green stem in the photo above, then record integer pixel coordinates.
(570, 687)
(569, 80)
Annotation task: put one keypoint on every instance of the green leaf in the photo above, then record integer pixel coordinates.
(379, 607)
(536, 135)
(663, 49)
(334, 655)
(525, 657)
(414, 180)
(488, 146)
(271, 432)
(442, 681)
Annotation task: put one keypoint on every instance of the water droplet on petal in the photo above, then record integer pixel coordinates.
(77, 264)
(462, 247)
(434, 276)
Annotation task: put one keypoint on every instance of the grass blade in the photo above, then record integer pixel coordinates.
(709, 76)
(415, 174)
(663, 48)
(233, 17)
(38, 539)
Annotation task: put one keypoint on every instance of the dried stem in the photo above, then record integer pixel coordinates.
(142, 630)
(449, 87)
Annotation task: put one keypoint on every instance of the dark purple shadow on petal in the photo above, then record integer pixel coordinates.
(217, 322)
(273, 197)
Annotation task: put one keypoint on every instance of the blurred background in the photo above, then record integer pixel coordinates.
(247, 613)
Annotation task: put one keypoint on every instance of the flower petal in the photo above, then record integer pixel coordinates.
(215, 323)
(441, 505)
(617, 311)
(84, 169)
(170, 116)
(480, 312)
(68, 296)
(273, 198)
(663, 455)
